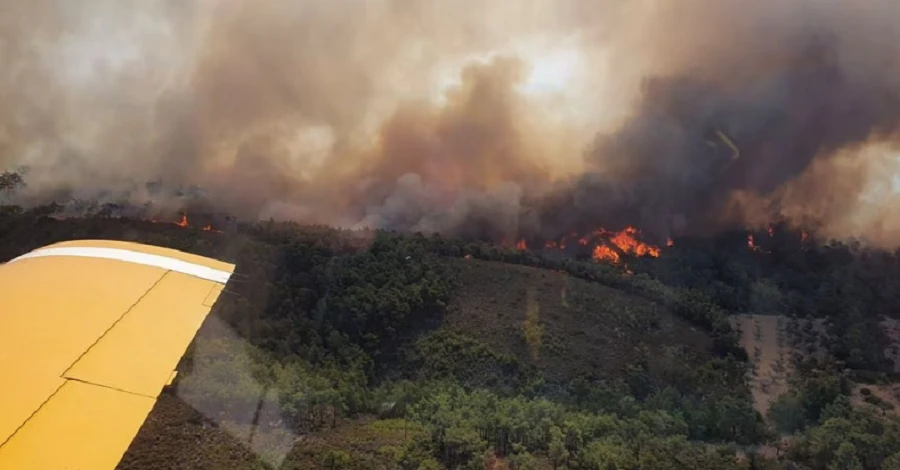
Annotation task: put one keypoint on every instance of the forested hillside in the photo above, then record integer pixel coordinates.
(361, 349)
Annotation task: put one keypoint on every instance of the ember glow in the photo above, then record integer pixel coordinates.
(751, 244)
(182, 222)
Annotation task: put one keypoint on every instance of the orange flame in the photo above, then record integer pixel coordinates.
(605, 253)
(521, 245)
(670, 242)
(609, 246)
(468, 257)
(804, 237)
(183, 223)
(771, 231)
(627, 241)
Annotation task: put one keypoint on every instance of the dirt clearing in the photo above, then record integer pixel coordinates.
(766, 342)
(883, 396)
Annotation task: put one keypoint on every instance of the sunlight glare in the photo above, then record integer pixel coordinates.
(551, 72)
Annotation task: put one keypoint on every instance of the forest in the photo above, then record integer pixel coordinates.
(381, 350)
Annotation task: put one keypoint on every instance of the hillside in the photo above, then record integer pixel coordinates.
(586, 329)
(356, 350)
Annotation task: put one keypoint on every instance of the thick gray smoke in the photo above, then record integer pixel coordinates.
(694, 142)
(490, 119)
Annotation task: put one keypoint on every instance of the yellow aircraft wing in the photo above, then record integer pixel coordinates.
(90, 333)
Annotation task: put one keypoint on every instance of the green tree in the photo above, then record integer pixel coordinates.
(429, 464)
(606, 454)
(522, 460)
(892, 462)
(818, 391)
(845, 458)
(391, 456)
(787, 413)
(557, 447)
(336, 460)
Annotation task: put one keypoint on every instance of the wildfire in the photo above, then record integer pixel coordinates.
(521, 245)
(627, 241)
(605, 253)
(753, 246)
(184, 223)
(670, 242)
(610, 246)
(750, 243)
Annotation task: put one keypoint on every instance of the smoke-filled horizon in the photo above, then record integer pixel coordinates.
(497, 119)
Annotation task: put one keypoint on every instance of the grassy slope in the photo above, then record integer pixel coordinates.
(588, 329)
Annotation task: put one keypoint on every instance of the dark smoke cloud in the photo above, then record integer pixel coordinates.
(423, 115)
(808, 108)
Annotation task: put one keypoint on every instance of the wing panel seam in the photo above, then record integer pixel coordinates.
(23, 423)
(94, 384)
(83, 353)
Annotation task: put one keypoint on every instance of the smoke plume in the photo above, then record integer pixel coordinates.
(495, 119)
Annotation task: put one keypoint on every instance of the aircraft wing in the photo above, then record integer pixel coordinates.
(90, 333)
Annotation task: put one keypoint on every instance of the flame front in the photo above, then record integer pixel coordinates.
(627, 241)
(610, 246)
(605, 253)
(183, 223)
